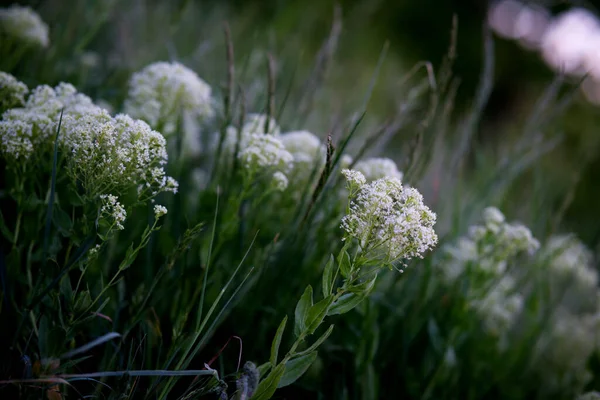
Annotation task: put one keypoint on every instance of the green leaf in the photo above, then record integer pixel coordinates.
(328, 277)
(264, 368)
(267, 386)
(5, 231)
(317, 313)
(345, 303)
(130, 257)
(344, 262)
(318, 342)
(62, 221)
(295, 368)
(364, 288)
(277, 341)
(304, 304)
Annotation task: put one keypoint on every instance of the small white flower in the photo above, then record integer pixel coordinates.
(305, 147)
(163, 92)
(159, 211)
(279, 181)
(113, 210)
(25, 25)
(265, 151)
(492, 215)
(377, 168)
(355, 179)
(12, 91)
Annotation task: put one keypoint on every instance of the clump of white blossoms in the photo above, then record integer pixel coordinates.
(163, 92)
(253, 124)
(159, 211)
(305, 146)
(263, 153)
(389, 221)
(33, 126)
(500, 307)
(571, 259)
(377, 168)
(279, 181)
(112, 211)
(308, 152)
(489, 247)
(12, 91)
(24, 25)
(106, 154)
(564, 350)
(482, 257)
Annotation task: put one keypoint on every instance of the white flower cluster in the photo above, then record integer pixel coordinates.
(500, 307)
(571, 260)
(106, 154)
(264, 152)
(387, 218)
(253, 124)
(564, 350)
(306, 148)
(12, 91)
(163, 92)
(25, 25)
(112, 210)
(491, 245)
(483, 256)
(159, 211)
(377, 168)
(279, 181)
(32, 127)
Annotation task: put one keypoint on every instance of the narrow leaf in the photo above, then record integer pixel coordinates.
(328, 277)
(264, 368)
(345, 303)
(344, 261)
(317, 313)
(92, 344)
(364, 288)
(295, 368)
(277, 341)
(304, 304)
(267, 386)
(318, 342)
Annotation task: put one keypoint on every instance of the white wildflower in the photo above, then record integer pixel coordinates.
(305, 147)
(25, 25)
(500, 307)
(113, 210)
(279, 181)
(355, 179)
(492, 215)
(162, 92)
(159, 211)
(565, 348)
(264, 151)
(377, 168)
(12, 91)
(15, 140)
(384, 216)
